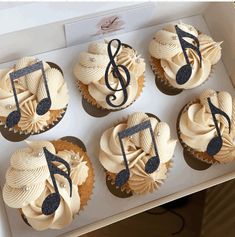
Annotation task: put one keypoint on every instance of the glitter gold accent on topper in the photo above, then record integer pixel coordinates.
(151, 165)
(216, 143)
(52, 201)
(185, 72)
(43, 106)
(117, 73)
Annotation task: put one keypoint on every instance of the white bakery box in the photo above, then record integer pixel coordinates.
(58, 32)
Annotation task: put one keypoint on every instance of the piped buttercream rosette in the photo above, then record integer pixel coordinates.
(167, 56)
(90, 73)
(28, 183)
(138, 149)
(196, 127)
(30, 90)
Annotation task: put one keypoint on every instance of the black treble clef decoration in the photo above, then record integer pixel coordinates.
(185, 72)
(216, 143)
(117, 74)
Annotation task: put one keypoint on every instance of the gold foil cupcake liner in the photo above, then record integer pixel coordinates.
(203, 156)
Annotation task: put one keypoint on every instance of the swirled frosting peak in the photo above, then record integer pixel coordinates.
(209, 48)
(28, 183)
(92, 65)
(30, 120)
(165, 46)
(142, 182)
(197, 127)
(138, 149)
(27, 175)
(30, 90)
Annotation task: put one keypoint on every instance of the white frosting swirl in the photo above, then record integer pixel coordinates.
(64, 215)
(165, 145)
(31, 88)
(227, 152)
(57, 87)
(92, 64)
(110, 151)
(26, 177)
(91, 67)
(28, 183)
(7, 101)
(129, 58)
(30, 121)
(166, 47)
(165, 43)
(141, 182)
(209, 48)
(197, 127)
(79, 171)
(137, 148)
(100, 91)
(30, 81)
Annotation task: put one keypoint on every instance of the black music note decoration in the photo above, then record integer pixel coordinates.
(185, 72)
(151, 165)
(52, 201)
(43, 106)
(216, 143)
(116, 73)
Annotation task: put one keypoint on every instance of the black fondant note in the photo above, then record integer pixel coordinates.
(185, 72)
(43, 105)
(124, 82)
(151, 165)
(52, 201)
(216, 143)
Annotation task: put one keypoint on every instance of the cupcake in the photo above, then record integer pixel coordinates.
(206, 127)
(30, 91)
(139, 149)
(29, 183)
(110, 75)
(175, 46)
